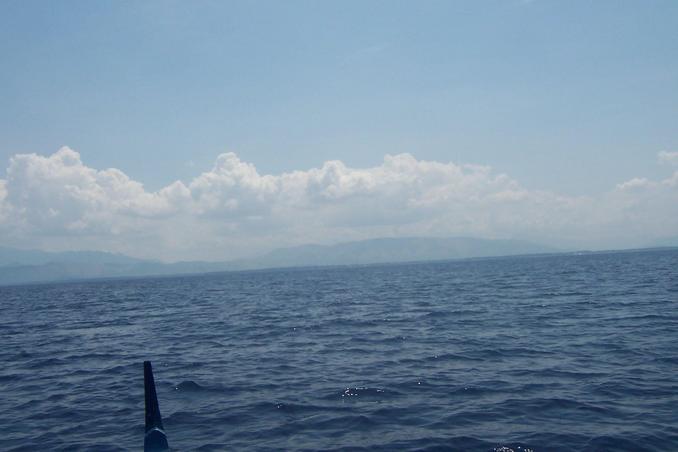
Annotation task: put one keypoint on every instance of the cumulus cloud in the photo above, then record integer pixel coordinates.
(4, 205)
(59, 195)
(232, 210)
(670, 158)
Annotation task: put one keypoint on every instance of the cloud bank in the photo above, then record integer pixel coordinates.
(57, 202)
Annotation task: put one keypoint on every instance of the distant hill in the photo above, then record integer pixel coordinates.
(25, 266)
(19, 266)
(397, 250)
(18, 257)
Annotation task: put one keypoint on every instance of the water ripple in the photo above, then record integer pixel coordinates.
(552, 353)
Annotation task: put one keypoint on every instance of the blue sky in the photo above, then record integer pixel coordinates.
(570, 97)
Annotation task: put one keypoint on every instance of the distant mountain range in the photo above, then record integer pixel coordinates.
(385, 250)
(16, 257)
(27, 266)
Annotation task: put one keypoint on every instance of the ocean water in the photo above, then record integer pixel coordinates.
(570, 352)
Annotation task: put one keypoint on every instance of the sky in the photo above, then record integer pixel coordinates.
(213, 130)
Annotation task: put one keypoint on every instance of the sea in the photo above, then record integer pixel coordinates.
(537, 353)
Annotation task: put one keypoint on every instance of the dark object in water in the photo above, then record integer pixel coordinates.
(154, 436)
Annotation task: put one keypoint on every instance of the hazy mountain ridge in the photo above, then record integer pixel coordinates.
(25, 266)
(385, 250)
(20, 257)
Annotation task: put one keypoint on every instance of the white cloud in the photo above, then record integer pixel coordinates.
(637, 183)
(671, 181)
(60, 195)
(232, 210)
(4, 205)
(668, 157)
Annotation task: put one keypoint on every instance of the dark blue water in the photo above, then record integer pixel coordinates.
(543, 353)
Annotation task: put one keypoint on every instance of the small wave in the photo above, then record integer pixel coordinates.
(298, 408)
(513, 449)
(47, 362)
(364, 392)
(337, 425)
(189, 386)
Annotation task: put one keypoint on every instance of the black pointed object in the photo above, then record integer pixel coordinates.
(154, 436)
